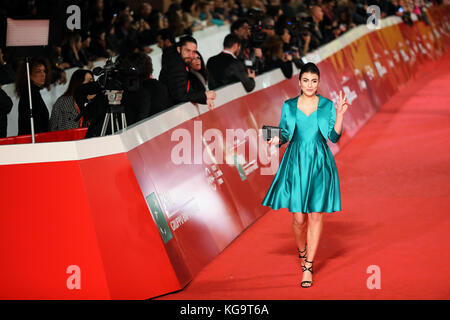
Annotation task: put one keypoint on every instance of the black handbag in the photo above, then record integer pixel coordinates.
(269, 132)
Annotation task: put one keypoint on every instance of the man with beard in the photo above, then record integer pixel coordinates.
(175, 75)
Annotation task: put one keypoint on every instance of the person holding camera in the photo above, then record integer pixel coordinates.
(250, 54)
(65, 110)
(276, 58)
(225, 68)
(151, 97)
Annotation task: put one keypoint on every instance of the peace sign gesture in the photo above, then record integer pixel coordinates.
(342, 104)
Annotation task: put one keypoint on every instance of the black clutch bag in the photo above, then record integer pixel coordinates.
(269, 132)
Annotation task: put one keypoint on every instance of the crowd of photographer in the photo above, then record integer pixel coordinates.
(264, 35)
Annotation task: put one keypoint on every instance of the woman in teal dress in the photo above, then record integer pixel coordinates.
(307, 181)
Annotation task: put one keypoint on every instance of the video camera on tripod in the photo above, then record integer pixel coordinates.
(113, 80)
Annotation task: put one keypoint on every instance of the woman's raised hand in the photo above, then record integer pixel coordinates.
(342, 104)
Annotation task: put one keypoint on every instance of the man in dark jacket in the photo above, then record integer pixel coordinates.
(175, 75)
(225, 68)
(152, 96)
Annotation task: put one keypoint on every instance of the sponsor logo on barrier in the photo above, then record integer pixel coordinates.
(211, 148)
(381, 70)
(158, 217)
(369, 72)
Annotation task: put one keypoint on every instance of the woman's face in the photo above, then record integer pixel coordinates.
(309, 83)
(79, 45)
(38, 75)
(88, 78)
(286, 37)
(196, 63)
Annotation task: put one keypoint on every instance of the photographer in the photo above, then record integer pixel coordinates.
(141, 96)
(250, 54)
(291, 45)
(92, 110)
(276, 58)
(151, 97)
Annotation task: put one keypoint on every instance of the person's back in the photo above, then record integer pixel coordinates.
(216, 70)
(170, 59)
(225, 68)
(159, 95)
(64, 114)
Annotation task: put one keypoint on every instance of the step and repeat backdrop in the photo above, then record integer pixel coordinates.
(138, 214)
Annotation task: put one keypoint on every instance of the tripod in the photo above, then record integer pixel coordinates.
(114, 110)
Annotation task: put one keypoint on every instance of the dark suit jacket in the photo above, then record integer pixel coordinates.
(150, 99)
(224, 69)
(40, 112)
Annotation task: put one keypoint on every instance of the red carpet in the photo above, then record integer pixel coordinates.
(395, 185)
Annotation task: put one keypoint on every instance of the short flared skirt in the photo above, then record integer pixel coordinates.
(307, 179)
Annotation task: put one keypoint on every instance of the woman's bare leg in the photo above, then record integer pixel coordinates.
(315, 225)
(299, 225)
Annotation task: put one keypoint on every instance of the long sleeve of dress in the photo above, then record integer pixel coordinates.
(284, 125)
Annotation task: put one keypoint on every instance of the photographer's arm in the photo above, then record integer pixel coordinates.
(238, 70)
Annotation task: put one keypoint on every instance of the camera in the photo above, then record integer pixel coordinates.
(255, 17)
(114, 77)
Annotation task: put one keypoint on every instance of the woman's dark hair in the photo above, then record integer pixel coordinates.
(309, 67)
(273, 48)
(175, 23)
(237, 24)
(203, 71)
(74, 38)
(21, 78)
(76, 80)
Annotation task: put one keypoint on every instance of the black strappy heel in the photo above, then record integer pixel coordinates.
(302, 254)
(304, 268)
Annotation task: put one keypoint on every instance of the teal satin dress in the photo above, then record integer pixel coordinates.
(307, 178)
